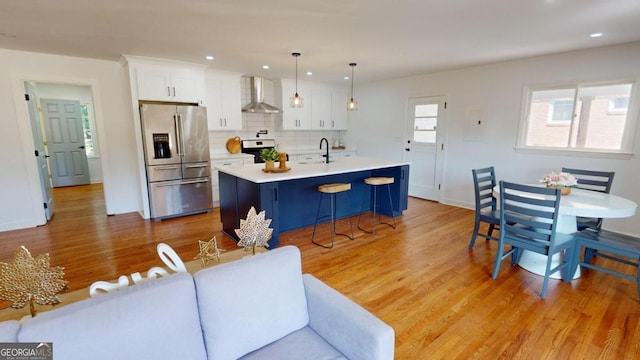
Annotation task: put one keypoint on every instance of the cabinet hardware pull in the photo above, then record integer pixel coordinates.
(182, 183)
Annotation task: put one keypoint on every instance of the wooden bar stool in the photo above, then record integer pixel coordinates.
(332, 190)
(375, 183)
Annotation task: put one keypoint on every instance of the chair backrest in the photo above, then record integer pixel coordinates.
(483, 182)
(528, 215)
(592, 180)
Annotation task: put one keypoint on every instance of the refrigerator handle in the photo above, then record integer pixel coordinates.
(181, 134)
(177, 125)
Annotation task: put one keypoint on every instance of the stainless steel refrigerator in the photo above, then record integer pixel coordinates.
(176, 147)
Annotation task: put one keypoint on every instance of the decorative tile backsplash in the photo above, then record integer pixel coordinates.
(286, 140)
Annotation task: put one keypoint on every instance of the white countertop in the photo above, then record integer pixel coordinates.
(316, 151)
(225, 156)
(254, 173)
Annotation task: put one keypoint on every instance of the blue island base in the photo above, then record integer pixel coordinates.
(292, 204)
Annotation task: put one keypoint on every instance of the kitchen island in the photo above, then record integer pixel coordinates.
(291, 198)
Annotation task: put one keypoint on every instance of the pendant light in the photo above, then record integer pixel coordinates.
(352, 105)
(296, 101)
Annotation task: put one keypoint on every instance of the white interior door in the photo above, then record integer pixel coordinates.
(39, 151)
(425, 119)
(65, 142)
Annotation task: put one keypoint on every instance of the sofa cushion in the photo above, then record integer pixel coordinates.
(9, 331)
(157, 319)
(304, 344)
(247, 304)
(347, 326)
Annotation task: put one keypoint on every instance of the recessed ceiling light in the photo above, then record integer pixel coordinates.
(266, 67)
(209, 57)
(596, 34)
(309, 73)
(346, 78)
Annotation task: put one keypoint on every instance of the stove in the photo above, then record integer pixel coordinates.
(253, 147)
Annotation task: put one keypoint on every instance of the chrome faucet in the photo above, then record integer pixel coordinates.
(326, 155)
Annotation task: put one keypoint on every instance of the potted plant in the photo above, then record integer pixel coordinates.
(269, 156)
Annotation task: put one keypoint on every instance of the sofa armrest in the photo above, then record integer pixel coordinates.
(348, 327)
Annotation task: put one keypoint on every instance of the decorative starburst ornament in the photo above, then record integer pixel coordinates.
(254, 231)
(29, 280)
(209, 251)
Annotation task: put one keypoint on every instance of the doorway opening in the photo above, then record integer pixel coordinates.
(63, 124)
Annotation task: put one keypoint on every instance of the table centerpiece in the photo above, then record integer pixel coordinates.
(560, 180)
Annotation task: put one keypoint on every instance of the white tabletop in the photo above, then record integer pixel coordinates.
(587, 203)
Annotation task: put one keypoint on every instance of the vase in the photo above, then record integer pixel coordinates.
(565, 190)
(269, 164)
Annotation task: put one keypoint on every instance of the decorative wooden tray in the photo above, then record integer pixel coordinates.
(276, 170)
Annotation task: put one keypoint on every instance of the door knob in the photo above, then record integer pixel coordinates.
(407, 149)
(81, 147)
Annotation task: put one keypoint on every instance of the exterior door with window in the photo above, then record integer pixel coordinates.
(65, 142)
(425, 119)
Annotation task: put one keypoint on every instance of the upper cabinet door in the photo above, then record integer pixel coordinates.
(154, 83)
(184, 85)
(231, 103)
(339, 113)
(160, 83)
(223, 102)
(321, 109)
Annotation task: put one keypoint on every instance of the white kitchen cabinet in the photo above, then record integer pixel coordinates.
(219, 162)
(321, 109)
(295, 118)
(311, 157)
(223, 102)
(341, 154)
(169, 83)
(339, 111)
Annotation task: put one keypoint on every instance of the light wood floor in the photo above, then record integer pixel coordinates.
(420, 278)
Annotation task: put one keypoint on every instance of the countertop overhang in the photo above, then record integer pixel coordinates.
(301, 170)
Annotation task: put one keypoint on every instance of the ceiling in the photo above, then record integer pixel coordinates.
(387, 39)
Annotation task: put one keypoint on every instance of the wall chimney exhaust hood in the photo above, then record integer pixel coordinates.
(257, 104)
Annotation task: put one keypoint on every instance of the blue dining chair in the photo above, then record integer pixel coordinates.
(600, 181)
(528, 220)
(484, 180)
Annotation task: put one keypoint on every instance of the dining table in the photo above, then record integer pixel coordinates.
(578, 203)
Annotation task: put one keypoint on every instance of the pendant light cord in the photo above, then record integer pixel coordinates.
(352, 66)
(352, 82)
(296, 55)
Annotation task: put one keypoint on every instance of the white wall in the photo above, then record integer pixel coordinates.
(496, 89)
(83, 95)
(20, 197)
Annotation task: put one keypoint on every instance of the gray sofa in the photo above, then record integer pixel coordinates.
(261, 307)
